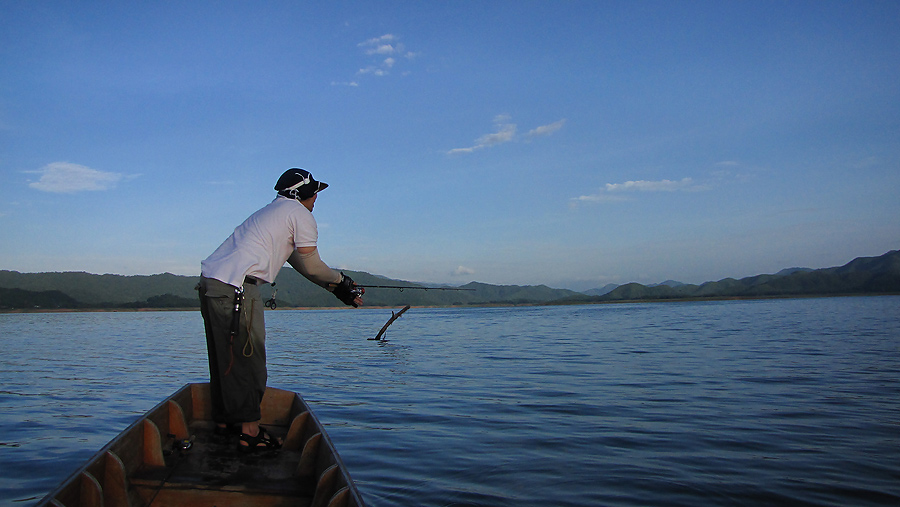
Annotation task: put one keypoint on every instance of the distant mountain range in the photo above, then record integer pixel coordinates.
(606, 289)
(85, 291)
(864, 275)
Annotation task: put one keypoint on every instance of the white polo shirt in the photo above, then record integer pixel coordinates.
(261, 245)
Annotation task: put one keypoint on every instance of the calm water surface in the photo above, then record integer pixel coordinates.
(783, 402)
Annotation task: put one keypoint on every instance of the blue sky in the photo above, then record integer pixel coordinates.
(565, 143)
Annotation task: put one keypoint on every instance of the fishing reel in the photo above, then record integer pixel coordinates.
(357, 291)
(179, 446)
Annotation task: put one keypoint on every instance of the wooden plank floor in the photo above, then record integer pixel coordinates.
(214, 472)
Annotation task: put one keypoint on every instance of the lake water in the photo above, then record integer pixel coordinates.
(771, 402)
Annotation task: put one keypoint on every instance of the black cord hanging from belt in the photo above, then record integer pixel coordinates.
(235, 324)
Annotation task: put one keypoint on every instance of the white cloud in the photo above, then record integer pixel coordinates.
(378, 45)
(463, 271)
(651, 186)
(612, 192)
(384, 49)
(506, 132)
(504, 135)
(454, 151)
(375, 71)
(600, 198)
(65, 177)
(546, 130)
(384, 52)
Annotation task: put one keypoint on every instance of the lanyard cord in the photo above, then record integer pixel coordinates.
(249, 344)
(248, 349)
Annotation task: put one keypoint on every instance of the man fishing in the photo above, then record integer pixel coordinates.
(232, 309)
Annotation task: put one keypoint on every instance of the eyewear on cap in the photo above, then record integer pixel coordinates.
(304, 181)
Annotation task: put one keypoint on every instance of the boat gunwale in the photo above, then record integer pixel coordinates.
(297, 406)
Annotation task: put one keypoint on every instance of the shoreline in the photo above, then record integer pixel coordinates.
(484, 305)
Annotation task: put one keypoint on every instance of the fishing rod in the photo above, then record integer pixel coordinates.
(401, 287)
(359, 290)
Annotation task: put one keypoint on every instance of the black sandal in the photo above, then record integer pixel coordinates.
(263, 440)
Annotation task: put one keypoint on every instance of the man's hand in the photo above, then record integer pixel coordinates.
(348, 292)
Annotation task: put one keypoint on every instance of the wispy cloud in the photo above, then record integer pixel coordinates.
(506, 132)
(866, 163)
(598, 198)
(68, 178)
(617, 192)
(384, 53)
(652, 186)
(463, 271)
(546, 130)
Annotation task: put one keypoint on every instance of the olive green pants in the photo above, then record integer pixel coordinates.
(237, 367)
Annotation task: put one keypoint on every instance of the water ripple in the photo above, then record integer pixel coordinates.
(789, 402)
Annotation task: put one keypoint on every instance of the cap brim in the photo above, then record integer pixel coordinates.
(322, 186)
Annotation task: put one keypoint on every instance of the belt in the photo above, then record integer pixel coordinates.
(251, 280)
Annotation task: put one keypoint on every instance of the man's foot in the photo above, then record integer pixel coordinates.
(262, 440)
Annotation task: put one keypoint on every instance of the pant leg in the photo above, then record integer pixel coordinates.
(248, 377)
(237, 368)
(214, 325)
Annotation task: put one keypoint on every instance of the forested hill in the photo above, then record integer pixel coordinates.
(84, 291)
(864, 275)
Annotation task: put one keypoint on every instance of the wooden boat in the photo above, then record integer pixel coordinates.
(173, 456)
